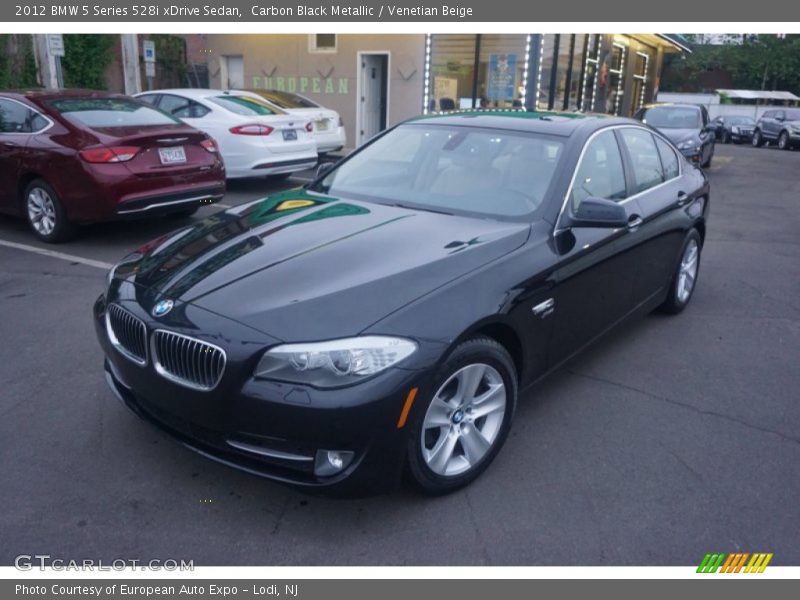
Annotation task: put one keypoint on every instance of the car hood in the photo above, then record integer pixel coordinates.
(678, 135)
(301, 266)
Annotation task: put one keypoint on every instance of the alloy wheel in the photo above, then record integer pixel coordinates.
(464, 419)
(783, 141)
(41, 211)
(688, 271)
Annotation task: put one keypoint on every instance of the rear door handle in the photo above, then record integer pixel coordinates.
(683, 198)
(634, 221)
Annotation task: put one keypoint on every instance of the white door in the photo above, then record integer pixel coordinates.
(372, 80)
(232, 72)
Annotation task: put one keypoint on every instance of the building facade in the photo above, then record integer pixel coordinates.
(375, 81)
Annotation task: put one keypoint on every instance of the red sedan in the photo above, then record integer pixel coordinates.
(73, 156)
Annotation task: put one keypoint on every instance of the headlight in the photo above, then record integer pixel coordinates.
(688, 144)
(110, 276)
(335, 363)
(735, 129)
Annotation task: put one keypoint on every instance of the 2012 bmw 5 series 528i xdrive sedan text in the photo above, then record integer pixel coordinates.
(385, 318)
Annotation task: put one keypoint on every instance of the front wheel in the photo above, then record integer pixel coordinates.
(707, 163)
(45, 213)
(464, 423)
(726, 137)
(684, 278)
(783, 141)
(758, 139)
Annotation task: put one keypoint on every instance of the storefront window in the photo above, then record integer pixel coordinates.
(501, 70)
(545, 75)
(452, 71)
(572, 100)
(641, 63)
(590, 82)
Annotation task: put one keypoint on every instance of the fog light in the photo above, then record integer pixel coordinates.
(331, 462)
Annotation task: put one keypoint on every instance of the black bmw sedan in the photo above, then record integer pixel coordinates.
(384, 319)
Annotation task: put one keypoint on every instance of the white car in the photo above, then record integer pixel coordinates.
(253, 137)
(328, 126)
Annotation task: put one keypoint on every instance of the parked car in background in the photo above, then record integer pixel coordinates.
(328, 125)
(76, 156)
(734, 128)
(254, 138)
(686, 125)
(781, 126)
(384, 318)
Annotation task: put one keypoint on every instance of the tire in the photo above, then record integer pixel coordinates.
(707, 164)
(726, 137)
(45, 213)
(783, 141)
(758, 139)
(679, 296)
(467, 442)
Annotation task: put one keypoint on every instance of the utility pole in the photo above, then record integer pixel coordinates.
(48, 64)
(130, 63)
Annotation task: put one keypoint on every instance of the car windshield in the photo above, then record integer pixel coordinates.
(740, 121)
(673, 117)
(243, 105)
(487, 172)
(110, 112)
(287, 99)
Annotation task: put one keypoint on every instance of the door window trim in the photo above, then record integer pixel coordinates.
(556, 227)
(50, 121)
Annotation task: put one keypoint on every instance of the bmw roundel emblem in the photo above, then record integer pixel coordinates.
(162, 308)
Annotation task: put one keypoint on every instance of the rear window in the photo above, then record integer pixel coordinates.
(98, 113)
(243, 105)
(287, 100)
(673, 117)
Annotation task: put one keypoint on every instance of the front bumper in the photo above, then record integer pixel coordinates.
(271, 429)
(692, 155)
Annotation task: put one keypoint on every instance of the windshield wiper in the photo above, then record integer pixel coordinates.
(423, 208)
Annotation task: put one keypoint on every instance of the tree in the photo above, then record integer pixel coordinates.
(764, 62)
(86, 58)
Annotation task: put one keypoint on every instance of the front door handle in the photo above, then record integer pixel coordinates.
(634, 221)
(683, 198)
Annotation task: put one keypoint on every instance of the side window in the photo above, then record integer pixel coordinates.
(148, 98)
(779, 114)
(669, 159)
(193, 110)
(38, 122)
(600, 172)
(15, 117)
(644, 157)
(173, 104)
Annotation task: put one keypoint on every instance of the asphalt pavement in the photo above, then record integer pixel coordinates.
(670, 438)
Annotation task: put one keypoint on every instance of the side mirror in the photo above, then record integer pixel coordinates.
(780, 119)
(324, 168)
(599, 212)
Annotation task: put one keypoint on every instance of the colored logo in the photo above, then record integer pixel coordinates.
(737, 562)
(162, 308)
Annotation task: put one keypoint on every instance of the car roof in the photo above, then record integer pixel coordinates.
(49, 94)
(672, 105)
(552, 122)
(188, 92)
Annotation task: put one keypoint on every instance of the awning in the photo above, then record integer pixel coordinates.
(758, 95)
(677, 40)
